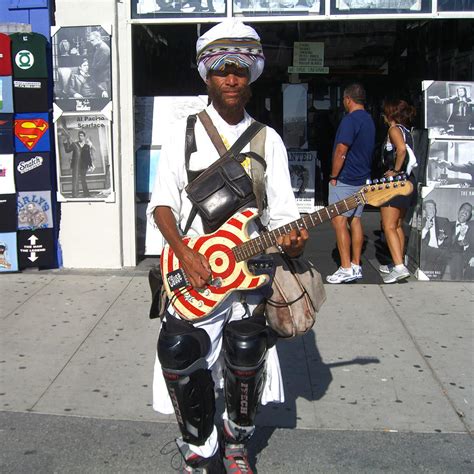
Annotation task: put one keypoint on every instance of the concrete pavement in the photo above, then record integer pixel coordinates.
(385, 379)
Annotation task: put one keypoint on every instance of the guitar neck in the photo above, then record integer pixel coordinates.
(268, 239)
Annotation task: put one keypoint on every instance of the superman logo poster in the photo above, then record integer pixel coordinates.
(31, 132)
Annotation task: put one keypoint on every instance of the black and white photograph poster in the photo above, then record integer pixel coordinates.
(279, 7)
(368, 6)
(449, 108)
(81, 67)
(304, 167)
(447, 234)
(177, 8)
(84, 158)
(450, 164)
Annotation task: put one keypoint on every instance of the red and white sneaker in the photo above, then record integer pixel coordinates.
(236, 459)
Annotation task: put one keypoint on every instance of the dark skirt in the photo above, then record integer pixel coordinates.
(404, 202)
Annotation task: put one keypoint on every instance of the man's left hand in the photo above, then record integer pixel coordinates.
(293, 243)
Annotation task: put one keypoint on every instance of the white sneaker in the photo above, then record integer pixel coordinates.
(396, 275)
(357, 269)
(341, 275)
(386, 268)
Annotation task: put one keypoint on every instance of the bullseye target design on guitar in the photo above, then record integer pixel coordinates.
(228, 275)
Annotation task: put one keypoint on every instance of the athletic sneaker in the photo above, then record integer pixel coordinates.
(342, 275)
(396, 274)
(357, 269)
(236, 459)
(386, 268)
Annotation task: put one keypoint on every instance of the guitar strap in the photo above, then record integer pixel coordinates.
(256, 154)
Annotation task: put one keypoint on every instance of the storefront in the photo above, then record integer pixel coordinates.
(312, 48)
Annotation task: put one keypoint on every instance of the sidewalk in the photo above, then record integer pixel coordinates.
(393, 358)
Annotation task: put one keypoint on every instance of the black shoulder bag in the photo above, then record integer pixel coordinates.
(224, 188)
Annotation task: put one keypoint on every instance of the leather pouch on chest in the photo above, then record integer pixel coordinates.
(220, 191)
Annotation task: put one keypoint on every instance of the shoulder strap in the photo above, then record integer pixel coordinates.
(257, 167)
(189, 141)
(212, 132)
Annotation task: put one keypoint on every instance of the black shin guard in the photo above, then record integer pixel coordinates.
(182, 349)
(245, 345)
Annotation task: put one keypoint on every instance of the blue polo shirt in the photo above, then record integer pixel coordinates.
(357, 131)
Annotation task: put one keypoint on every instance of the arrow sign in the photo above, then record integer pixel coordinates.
(33, 239)
(32, 256)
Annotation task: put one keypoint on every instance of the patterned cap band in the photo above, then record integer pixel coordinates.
(242, 52)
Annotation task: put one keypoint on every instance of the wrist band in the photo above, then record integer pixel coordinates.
(332, 177)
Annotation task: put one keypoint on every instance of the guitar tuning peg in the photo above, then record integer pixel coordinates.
(390, 179)
(383, 180)
(375, 181)
(368, 181)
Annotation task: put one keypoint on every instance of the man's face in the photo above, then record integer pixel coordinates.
(94, 40)
(464, 213)
(229, 89)
(461, 91)
(430, 210)
(84, 68)
(345, 103)
(81, 137)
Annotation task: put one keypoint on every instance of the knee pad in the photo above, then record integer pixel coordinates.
(182, 349)
(245, 345)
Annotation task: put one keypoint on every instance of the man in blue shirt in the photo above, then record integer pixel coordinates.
(351, 167)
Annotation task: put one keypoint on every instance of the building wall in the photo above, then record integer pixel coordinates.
(91, 232)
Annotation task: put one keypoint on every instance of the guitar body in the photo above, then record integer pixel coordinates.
(228, 275)
(221, 248)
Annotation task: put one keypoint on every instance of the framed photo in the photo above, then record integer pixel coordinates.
(447, 234)
(449, 109)
(278, 7)
(450, 164)
(81, 68)
(379, 6)
(84, 158)
(178, 8)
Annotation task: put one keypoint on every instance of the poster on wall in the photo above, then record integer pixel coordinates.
(381, 6)
(449, 108)
(295, 99)
(8, 253)
(450, 164)
(278, 7)
(173, 8)
(81, 67)
(304, 168)
(447, 234)
(84, 158)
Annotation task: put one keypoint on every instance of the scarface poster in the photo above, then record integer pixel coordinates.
(81, 68)
(449, 108)
(84, 158)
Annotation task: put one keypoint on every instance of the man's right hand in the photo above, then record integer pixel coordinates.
(196, 267)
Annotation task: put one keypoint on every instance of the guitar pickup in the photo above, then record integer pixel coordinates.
(177, 279)
(262, 265)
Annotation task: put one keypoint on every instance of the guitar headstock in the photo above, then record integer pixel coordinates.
(379, 191)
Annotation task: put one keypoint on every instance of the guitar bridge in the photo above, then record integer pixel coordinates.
(262, 265)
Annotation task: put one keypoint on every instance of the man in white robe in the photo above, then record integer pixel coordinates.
(229, 58)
